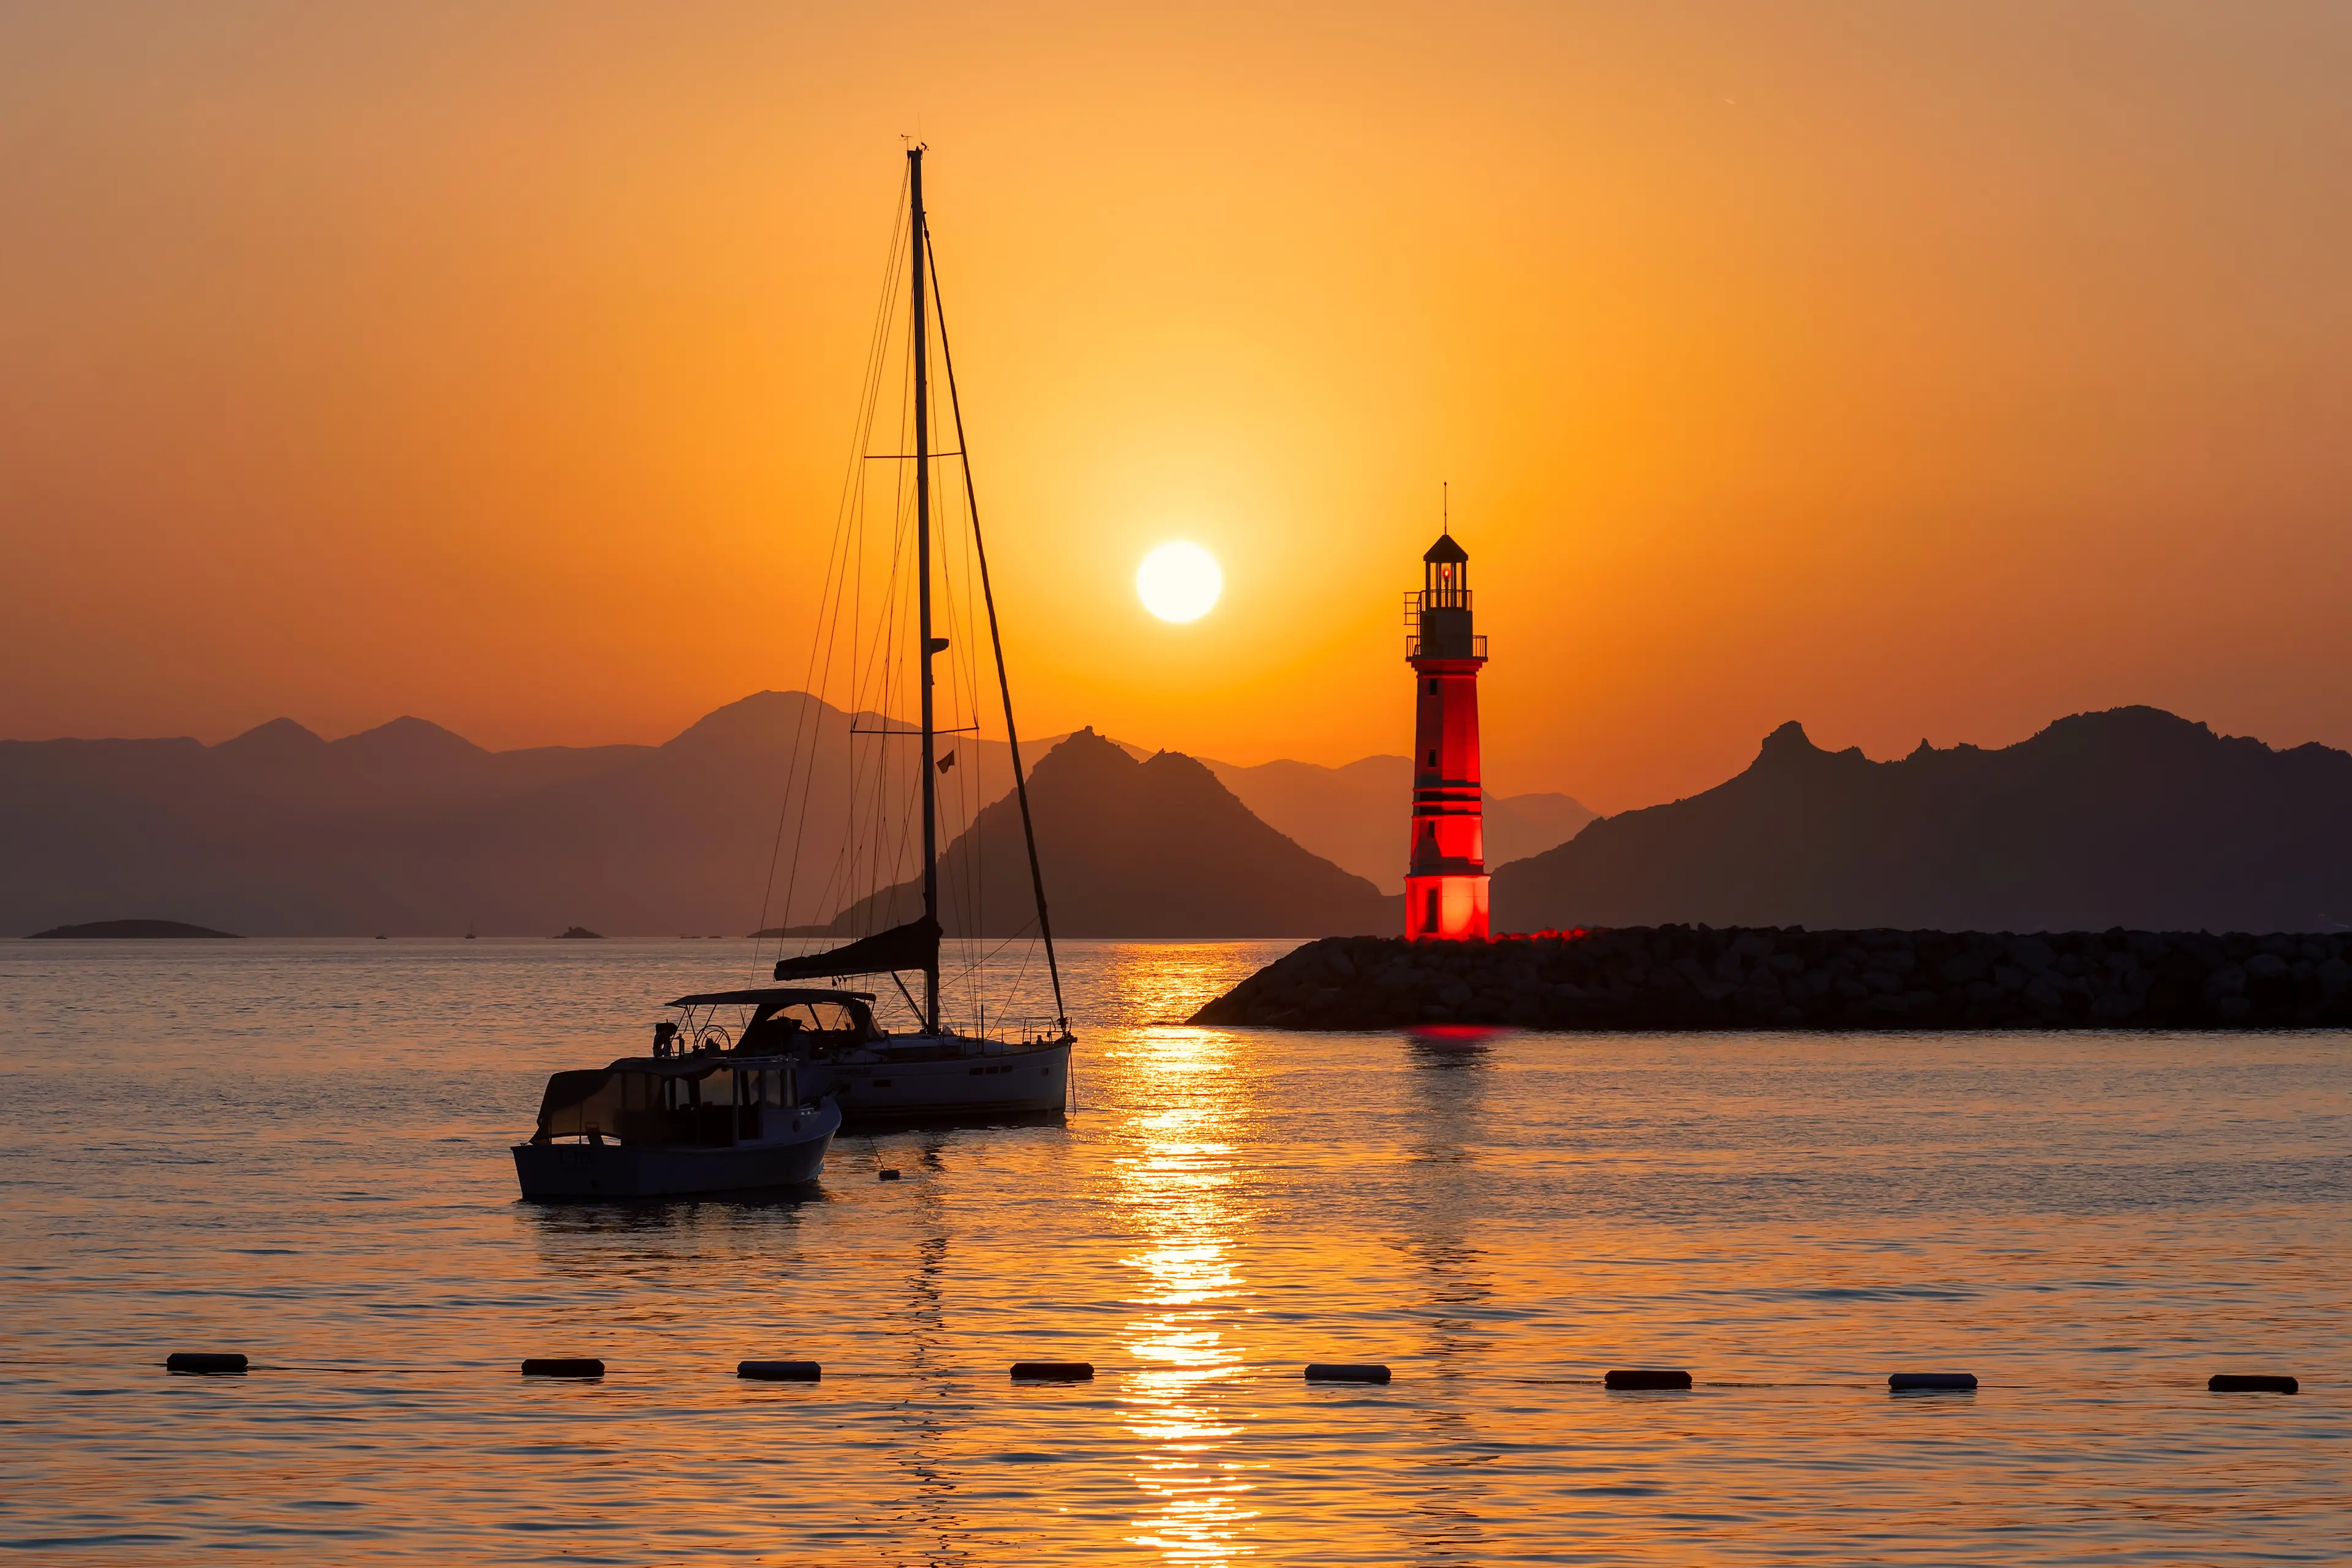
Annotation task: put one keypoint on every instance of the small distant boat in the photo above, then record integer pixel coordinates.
(676, 1125)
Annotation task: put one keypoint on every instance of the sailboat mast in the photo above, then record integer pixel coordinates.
(929, 647)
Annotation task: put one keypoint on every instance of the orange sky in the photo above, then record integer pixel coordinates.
(1905, 370)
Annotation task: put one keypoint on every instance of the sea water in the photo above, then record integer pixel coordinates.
(299, 1151)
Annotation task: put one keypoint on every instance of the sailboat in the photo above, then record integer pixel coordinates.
(934, 1071)
(745, 1087)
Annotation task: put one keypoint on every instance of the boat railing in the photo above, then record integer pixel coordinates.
(1015, 1034)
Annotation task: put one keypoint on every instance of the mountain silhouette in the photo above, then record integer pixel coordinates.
(408, 762)
(409, 828)
(2132, 817)
(1134, 848)
(1359, 816)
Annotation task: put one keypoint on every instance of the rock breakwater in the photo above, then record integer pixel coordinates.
(1695, 977)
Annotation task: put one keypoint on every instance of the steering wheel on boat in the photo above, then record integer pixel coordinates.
(713, 1039)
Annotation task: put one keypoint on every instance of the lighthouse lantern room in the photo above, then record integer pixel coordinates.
(1445, 884)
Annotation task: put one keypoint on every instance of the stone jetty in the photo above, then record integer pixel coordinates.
(1695, 977)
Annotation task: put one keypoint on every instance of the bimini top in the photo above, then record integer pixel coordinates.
(759, 995)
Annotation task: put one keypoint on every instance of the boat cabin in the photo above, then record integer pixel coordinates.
(768, 1021)
(679, 1102)
(718, 1076)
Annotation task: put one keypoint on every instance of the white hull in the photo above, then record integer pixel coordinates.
(978, 1079)
(792, 1158)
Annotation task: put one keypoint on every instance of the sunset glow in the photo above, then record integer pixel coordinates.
(1903, 371)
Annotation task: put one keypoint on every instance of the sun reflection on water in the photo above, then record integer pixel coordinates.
(1177, 1193)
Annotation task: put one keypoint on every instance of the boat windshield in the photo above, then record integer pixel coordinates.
(714, 1108)
(784, 1028)
(824, 1017)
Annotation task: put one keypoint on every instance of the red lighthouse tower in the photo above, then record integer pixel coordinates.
(1445, 886)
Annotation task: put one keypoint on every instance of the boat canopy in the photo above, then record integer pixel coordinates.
(914, 945)
(701, 1100)
(761, 996)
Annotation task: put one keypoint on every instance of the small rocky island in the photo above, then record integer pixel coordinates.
(1676, 977)
(129, 930)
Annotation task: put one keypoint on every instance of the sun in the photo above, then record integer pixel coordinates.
(1179, 582)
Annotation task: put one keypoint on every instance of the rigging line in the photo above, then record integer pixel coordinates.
(842, 591)
(968, 671)
(1004, 681)
(812, 718)
(872, 679)
(962, 697)
(884, 855)
(909, 995)
(1015, 935)
(866, 672)
(844, 533)
(846, 848)
(969, 872)
(853, 597)
(888, 877)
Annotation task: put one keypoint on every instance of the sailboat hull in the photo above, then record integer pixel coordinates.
(941, 1077)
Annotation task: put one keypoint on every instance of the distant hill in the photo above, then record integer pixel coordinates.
(407, 762)
(1518, 826)
(1130, 848)
(2132, 817)
(409, 828)
(1359, 816)
(131, 931)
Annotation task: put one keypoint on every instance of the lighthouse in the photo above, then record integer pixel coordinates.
(1445, 884)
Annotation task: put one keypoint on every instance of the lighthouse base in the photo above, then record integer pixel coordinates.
(1452, 908)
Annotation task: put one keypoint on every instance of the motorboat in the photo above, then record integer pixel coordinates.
(676, 1124)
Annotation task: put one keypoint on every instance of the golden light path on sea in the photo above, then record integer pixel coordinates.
(1177, 1190)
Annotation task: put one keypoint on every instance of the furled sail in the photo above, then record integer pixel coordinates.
(914, 945)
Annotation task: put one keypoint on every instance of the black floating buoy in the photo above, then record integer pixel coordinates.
(1646, 1377)
(1927, 1382)
(889, 1173)
(205, 1363)
(2223, 1382)
(563, 1366)
(780, 1370)
(1346, 1372)
(1054, 1371)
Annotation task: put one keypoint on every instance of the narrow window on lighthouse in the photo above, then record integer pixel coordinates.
(1429, 924)
(1432, 687)
(1432, 759)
